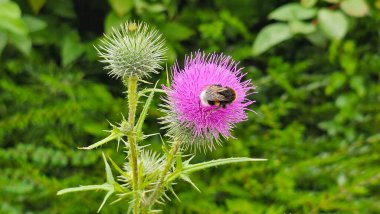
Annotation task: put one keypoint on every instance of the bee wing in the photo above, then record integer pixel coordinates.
(214, 93)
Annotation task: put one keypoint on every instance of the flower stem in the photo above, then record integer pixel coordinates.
(132, 105)
(160, 184)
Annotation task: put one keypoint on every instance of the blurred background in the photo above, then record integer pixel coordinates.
(315, 64)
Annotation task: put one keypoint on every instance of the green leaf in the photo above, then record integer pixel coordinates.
(143, 7)
(317, 38)
(3, 41)
(62, 8)
(155, 8)
(36, 5)
(121, 7)
(336, 81)
(301, 27)
(292, 11)
(14, 26)
(144, 112)
(119, 169)
(355, 8)
(200, 166)
(72, 49)
(175, 31)
(109, 186)
(33, 23)
(270, 36)
(106, 187)
(113, 21)
(22, 43)
(187, 179)
(357, 83)
(212, 30)
(10, 19)
(10, 10)
(308, 3)
(110, 137)
(235, 22)
(105, 200)
(334, 24)
(109, 174)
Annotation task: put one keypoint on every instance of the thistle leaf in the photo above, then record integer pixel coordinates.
(121, 197)
(105, 199)
(187, 179)
(105, 186)
(111, 137)
(144, 112)
(110, 179)
(175, 195)
(119, 169)
(199, 166)
(163, 147)
(109, 186)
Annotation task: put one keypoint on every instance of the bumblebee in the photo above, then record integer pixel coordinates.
(217, 95)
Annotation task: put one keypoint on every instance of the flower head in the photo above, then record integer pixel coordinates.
(134, 49)
(207, 98)
(151, 165)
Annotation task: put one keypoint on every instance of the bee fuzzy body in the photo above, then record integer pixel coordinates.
(217, 95)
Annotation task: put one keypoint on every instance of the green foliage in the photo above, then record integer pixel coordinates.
(311, 20)
(317, 110)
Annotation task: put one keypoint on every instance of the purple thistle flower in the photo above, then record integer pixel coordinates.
(192, 120)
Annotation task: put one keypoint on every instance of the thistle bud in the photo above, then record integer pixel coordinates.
(133, 49)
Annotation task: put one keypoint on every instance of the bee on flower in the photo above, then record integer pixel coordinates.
(206, 99)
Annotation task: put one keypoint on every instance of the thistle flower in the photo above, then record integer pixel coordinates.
(134, 49)
(195, 120)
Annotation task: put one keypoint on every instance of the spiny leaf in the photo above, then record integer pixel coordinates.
(175, 195)
(111, 137)
(104, 200)
(199, 166)
(121, 197)
(106, 187)
(109, 174)
(119, 169)
(144, 112)
(187, 179)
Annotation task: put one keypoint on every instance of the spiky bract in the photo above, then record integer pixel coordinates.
(134, 49)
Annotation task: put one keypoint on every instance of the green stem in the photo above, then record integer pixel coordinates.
(160, 184)
(132, 105)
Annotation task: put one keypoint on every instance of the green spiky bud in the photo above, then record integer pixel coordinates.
(133, 49)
